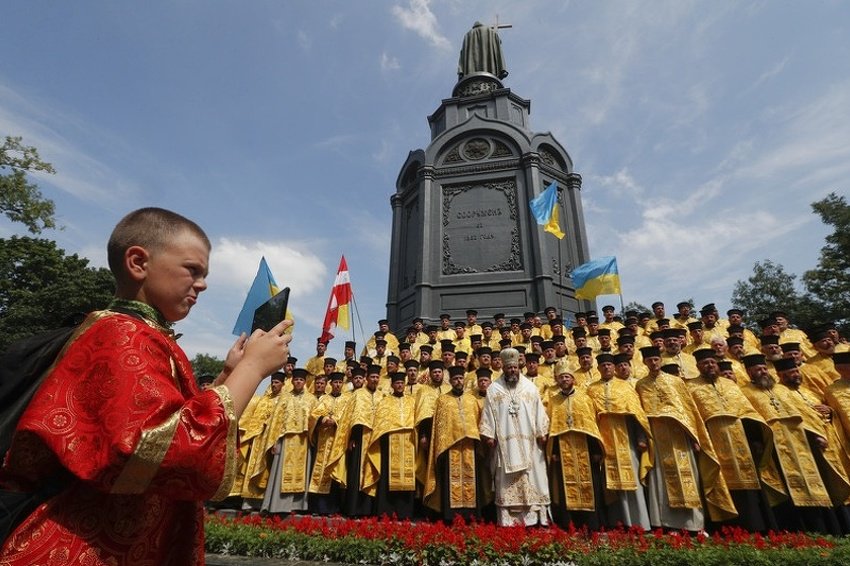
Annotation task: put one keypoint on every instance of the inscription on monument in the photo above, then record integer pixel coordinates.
(480, 228)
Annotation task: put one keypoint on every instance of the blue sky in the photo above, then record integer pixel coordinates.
(702, 130)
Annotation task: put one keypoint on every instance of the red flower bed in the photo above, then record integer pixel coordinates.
(385, 540)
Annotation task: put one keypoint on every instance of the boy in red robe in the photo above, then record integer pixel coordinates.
(119, 423)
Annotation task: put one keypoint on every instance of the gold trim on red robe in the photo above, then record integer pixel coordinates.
(101, 415)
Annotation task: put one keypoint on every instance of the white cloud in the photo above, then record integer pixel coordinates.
(775, 70)
(621, 183)
(389, 63)
(234, 263)
(696, 243)
(419, 18)
(814, 135)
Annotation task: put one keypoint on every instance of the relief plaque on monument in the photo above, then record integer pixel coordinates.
(481, 228)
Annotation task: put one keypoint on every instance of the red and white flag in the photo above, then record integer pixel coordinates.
(337, 314)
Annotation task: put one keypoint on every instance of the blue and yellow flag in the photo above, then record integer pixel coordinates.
(263, 288)
(597, 277)
(545, 210)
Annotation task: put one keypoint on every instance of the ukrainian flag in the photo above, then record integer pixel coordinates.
(597, 277)
(545, 210)
(263, 289)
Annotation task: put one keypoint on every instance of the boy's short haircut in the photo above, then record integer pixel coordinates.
(151, 228)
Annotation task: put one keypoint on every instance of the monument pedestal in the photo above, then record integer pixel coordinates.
(463, 234)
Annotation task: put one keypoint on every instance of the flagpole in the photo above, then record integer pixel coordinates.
(360, 322)
(560, 266)
(351, 317)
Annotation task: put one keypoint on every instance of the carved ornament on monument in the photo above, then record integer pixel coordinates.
(475, 149)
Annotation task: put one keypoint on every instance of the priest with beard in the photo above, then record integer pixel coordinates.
(349, 448)
(626, 440)
(455, 481)
(288, 439)
(832, 460)
(686, 469)
(515, 427)
(809, 507)
(838, 398)
(734, 425)
(324, 495)
(390, 463)
(253, 478)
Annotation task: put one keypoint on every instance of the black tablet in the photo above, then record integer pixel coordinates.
(270, 313)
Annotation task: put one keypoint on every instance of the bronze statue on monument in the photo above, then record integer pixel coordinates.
(481, 53)
(481, 65)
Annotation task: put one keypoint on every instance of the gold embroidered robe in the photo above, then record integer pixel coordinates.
(251, 483)
(724, 408)
(670, 409)
(572, 420)
(243, 446)
(454, 433)
(324, 434)
(802, 479)
(816, 378)
(615, 401)
(314, 366)
(426, 402)
(837, 482)
(837, 396)
(686, 362)
(290, 422)
(359, 411)
(394, 419)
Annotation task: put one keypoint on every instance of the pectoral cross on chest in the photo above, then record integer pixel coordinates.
(513, 407)
(775, 402)
(720, 398)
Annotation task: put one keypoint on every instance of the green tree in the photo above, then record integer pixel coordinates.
(205, 364)
(829, 282)
(771, 288)
(635, 306)
(40, 286)
(20, 199)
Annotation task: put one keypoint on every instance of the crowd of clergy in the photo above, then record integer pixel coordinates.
(687, 422)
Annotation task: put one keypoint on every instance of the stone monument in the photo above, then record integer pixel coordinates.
(463, 235)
